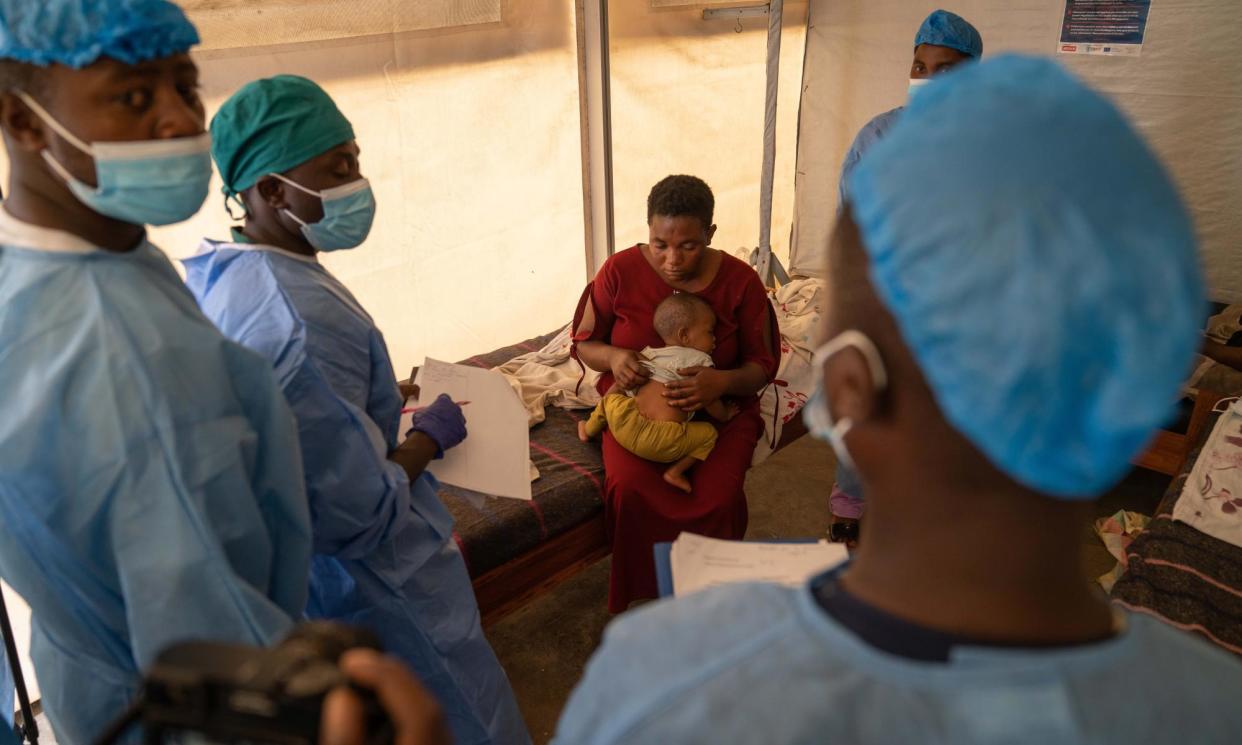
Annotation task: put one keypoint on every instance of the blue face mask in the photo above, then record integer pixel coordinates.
(816, 414)
(916, 87)
(348, 212)
(150, 182)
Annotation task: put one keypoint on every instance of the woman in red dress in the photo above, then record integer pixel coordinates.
(614, 321)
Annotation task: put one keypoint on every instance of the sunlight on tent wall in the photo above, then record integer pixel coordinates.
(470, 136)
(687, 97)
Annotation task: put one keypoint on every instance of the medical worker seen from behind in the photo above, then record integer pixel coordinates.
(150, 480)
(955, 400)
(384, 552)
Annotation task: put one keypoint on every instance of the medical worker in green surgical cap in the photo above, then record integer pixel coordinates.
(385, 557)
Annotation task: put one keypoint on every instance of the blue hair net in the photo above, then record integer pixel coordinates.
(945, 29)
(1048, 285)
(77, 33)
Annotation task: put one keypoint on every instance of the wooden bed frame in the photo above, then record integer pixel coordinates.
(1169, 450)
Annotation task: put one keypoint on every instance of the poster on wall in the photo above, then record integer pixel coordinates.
(1110, 27)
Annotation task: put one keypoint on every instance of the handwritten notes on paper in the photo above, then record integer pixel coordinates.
(698, 562)
(495, 456)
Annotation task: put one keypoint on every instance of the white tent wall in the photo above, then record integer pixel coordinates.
(1184, 93)
(688, 97)
(471, 138)
(471, 135)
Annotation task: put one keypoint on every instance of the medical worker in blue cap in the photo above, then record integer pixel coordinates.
(150, 480)
(385, 554)
(944, 41)
(997, 350)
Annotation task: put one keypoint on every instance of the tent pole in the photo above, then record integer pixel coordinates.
(763, 259)
(596, 112)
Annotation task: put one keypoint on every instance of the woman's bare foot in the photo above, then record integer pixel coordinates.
(678, 479)
(582, 433)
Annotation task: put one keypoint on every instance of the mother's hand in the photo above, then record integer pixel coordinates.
(703, 386)
(628, 369)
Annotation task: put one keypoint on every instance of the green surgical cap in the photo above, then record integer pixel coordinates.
(271, 126)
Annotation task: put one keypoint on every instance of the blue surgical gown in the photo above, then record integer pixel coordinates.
(150, 479)
(765, 664)
(385, 556)
(871, 133)
(7, 698)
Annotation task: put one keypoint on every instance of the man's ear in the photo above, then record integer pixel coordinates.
(22, 127)
(711, 233)
(849, 387)
(272, 192)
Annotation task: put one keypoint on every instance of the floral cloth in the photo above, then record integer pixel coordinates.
(1211, 500)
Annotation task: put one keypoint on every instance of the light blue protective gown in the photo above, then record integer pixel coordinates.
(870, 134)
(765, 664)
(150, 480)
(385, 556)
(7, 698)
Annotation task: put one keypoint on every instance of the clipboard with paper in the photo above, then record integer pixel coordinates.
(494, 458)
(694, 562)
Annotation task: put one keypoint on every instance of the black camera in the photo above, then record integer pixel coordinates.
(231, 693)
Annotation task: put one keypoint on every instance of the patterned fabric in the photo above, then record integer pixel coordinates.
(1182, 576)
(492, 531)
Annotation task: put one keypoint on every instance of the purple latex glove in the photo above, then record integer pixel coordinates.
(442, 421)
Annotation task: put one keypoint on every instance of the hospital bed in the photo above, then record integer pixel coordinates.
(515, 550)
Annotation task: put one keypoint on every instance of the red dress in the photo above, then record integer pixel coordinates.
(641, 508)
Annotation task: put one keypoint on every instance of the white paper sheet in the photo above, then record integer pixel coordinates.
(698, 562)
(495, 456)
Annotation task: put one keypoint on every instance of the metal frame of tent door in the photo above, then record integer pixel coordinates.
(28, 730)
(595, 105)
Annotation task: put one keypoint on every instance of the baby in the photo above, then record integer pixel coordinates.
(642, 421)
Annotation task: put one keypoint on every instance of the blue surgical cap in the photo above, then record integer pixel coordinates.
(1040, 266)
(77, 33)
(272, 125)
(945, 29)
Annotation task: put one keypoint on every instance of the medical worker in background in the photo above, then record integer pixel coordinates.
(944, 41)
(981, 431)
(150, 480)
(385, 557)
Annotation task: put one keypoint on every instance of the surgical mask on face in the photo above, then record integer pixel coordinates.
(149, 182)
(816, 414)
(348, 212)
(916, 86)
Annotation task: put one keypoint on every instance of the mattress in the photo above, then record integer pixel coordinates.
(491, 531)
